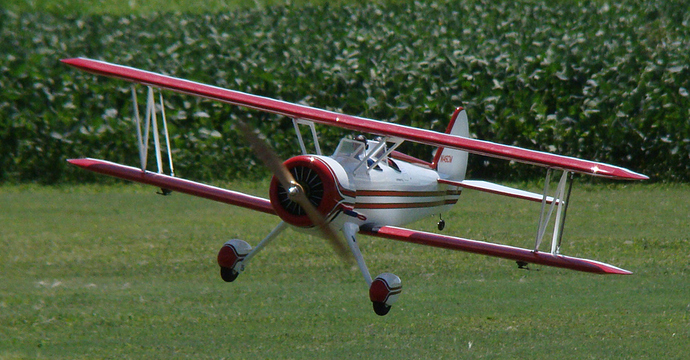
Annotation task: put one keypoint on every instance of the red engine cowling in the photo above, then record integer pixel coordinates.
(320, 185)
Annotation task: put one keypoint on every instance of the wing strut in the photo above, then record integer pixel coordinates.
(296, 123)
(396, 142)
(151, 125)
(167, 135)
(375, 152)
(561, 201)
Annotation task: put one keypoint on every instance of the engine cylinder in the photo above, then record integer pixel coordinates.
(320, 186)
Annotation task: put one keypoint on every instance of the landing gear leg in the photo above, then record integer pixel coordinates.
(350, 230)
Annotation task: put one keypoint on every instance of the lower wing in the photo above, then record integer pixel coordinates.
(388, 232)
(491, 249)
(175, 184)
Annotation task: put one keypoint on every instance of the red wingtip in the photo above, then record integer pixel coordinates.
(608, 268)
(630, 175)
(88, 65)
(617, 271)
(83, 163)
(70, 61)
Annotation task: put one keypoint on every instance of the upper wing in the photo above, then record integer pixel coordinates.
(498, 250)
(175, 184)
(353, 122)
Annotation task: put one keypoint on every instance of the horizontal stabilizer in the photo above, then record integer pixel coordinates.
(175, 184)
(497, 250)
(492, 188)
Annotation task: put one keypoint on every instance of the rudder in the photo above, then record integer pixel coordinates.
(452, 163)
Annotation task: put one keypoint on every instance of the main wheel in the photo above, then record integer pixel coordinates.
(380, 308)
(228, 274)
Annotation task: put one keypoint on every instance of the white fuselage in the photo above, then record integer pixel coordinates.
(384, 191)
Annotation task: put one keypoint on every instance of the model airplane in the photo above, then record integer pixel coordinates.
(365, 187)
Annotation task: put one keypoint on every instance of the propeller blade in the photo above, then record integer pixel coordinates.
(295, 190)
(320, 222)
(267, 156)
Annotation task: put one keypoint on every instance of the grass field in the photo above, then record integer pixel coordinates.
(117, 7)
(119, 272)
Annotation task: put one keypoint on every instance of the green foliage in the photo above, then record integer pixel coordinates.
(607, 82)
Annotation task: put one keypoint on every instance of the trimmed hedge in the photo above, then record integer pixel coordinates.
(607, 82)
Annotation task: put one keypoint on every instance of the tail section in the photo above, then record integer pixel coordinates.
(451, 163)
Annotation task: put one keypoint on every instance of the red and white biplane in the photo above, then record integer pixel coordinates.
(364, 187)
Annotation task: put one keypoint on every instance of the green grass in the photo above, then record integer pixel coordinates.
(117, 7)
(119, 272)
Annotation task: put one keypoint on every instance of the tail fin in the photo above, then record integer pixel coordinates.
(451, 163)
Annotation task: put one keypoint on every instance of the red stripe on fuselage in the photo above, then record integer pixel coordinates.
(408, 205)
(395, 193)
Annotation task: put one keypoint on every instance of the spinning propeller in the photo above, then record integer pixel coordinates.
(295, 191)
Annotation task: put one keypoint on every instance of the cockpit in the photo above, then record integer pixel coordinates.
(369, 152)
(350, 148)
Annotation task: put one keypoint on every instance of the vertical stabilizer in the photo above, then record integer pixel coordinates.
(451, 163)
